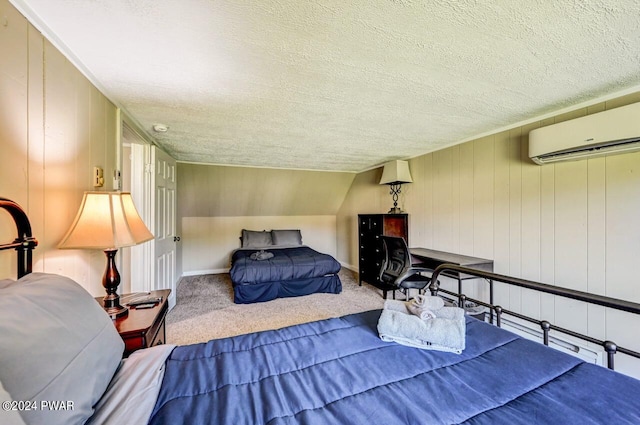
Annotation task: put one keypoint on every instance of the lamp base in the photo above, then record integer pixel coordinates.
(110, 281)
(395, 210)
(111, 305)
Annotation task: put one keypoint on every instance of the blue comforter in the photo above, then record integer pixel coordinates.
(338, 371)
(286, 264)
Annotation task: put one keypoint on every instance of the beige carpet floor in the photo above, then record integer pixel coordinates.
(205, 310)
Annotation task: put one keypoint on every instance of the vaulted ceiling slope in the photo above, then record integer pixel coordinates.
(341, 85)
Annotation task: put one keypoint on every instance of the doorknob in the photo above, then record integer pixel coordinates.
(176, 238)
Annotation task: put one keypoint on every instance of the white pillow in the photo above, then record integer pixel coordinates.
(56, 344)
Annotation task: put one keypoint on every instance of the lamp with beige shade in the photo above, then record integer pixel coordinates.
(107, 221)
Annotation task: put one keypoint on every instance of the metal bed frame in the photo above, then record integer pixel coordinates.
(25, 242)
(610, 347)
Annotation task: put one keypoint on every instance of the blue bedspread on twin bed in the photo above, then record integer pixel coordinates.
(338, 371)
(286, 264)
(290, 272)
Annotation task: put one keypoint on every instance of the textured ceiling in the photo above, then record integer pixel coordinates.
(342, 85)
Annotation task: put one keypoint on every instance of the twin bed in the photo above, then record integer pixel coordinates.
(57, 343)
(276, 264)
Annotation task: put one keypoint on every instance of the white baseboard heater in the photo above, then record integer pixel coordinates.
(580, 350)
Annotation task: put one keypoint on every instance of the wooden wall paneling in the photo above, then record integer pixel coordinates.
(596, 237)
(596, 316)
(108, 149)
(454, 238)
(80, 119)
(111, 129)
(465, 199)
(571, 224)
(547, 241)
(440, 195)
(428, 201)
(622, 328)
(414, 201)
(596, 243)
(622, 235)
(13, 107)
(483, 205)
(596, 250)
(531, 229)
(571, 240)
(60, 193)
(442, 203)
(515, 214)
(547, 235)
(483, 197)
(14, 123)
(465, 207)
(35, 158)
(501, 220)
(623, 226)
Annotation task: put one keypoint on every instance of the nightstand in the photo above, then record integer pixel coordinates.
(142, 328)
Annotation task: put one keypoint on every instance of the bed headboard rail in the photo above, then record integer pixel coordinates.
(25, 242)
(610, 347)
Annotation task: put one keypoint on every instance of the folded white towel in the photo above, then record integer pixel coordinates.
(446, 332)
(424, 306)
(422, 313)
(429, 302)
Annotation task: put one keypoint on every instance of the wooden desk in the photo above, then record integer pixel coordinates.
(431, 258)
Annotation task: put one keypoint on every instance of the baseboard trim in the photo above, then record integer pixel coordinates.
(349, 266)
(201, 272)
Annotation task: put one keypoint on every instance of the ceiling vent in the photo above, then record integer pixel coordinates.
(605, 133)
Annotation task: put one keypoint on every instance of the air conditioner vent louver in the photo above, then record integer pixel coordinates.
(591, 151)
(605, 133)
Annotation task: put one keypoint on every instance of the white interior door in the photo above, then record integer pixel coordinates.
(142, 257)
(164, 174)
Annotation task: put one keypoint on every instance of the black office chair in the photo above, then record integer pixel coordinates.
(397, 272)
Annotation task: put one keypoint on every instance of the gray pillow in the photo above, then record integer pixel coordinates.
(56, 343)
(286, 237)
(10, 416)
(255, 239)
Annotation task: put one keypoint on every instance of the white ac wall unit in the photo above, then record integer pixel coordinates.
(604, 133)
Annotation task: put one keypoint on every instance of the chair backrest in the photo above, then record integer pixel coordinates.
(396, 259)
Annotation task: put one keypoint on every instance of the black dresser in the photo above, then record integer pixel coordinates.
(370, 228)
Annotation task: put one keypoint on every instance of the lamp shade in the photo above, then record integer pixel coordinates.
(396, 172)
(106, 220)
